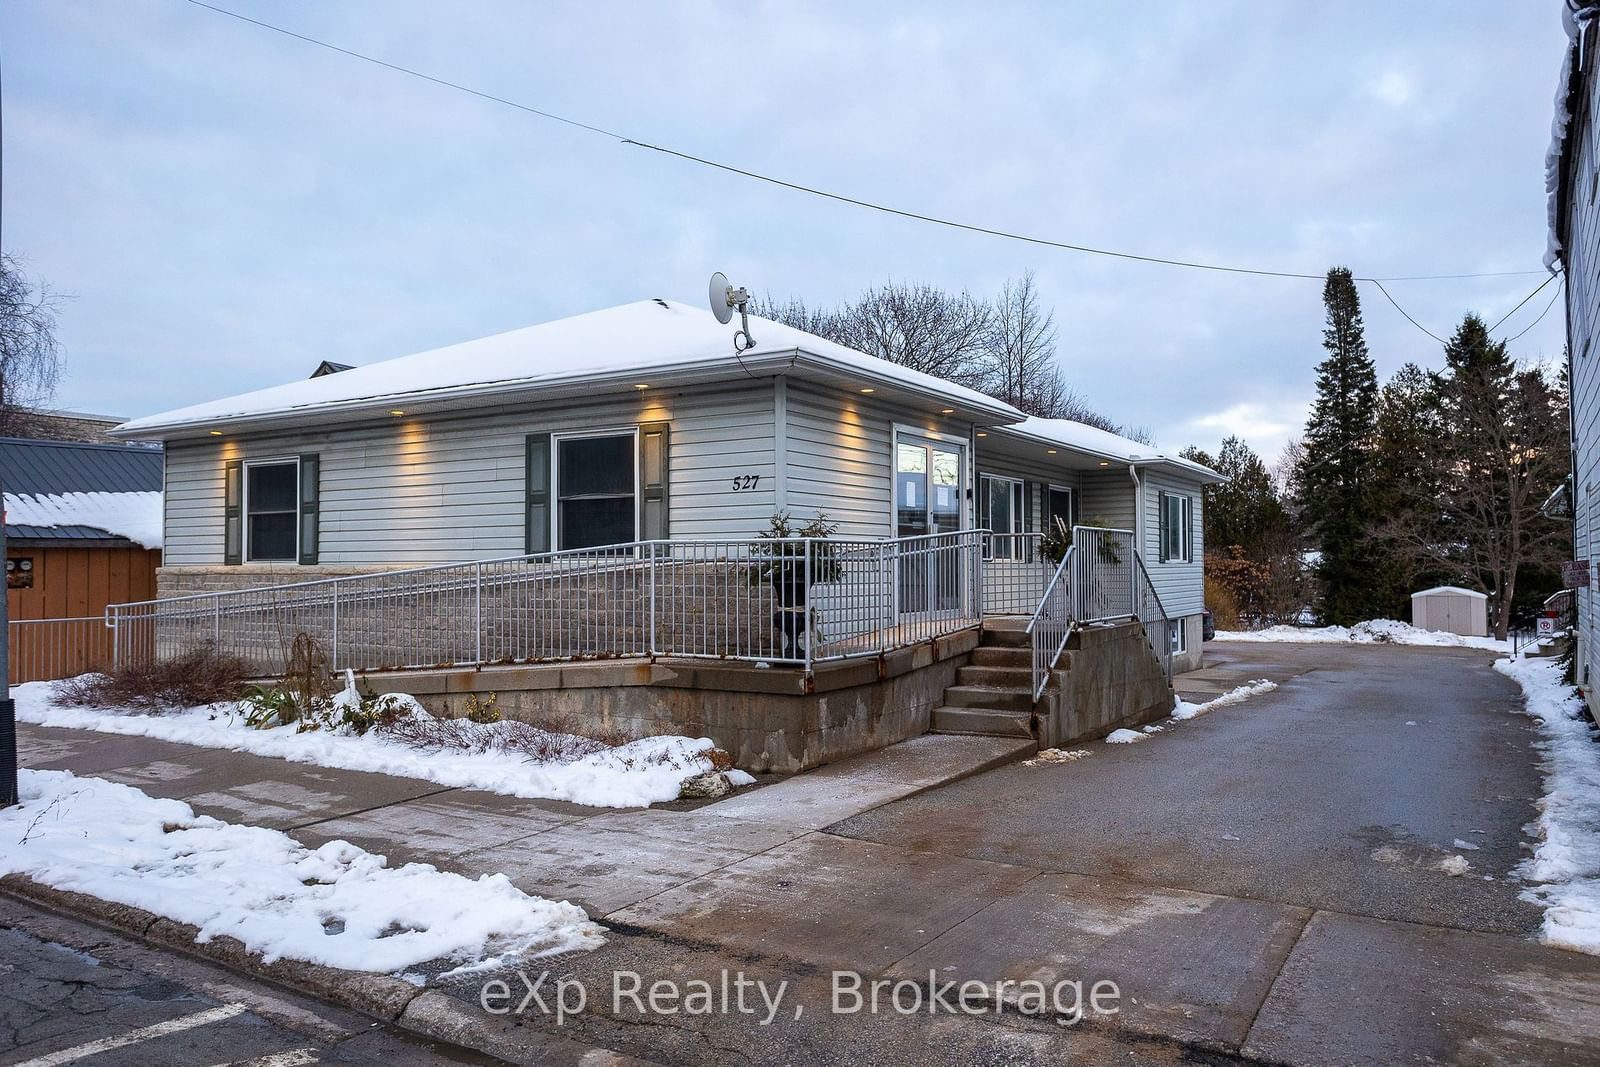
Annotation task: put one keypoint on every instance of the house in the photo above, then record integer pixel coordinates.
(1572, 177)
(641, 423)
(83, 530)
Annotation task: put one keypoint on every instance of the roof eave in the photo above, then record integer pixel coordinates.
(711, 369)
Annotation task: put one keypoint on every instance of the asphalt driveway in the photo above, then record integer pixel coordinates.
(1344, 790)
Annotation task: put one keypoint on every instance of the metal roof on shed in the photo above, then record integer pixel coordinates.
(49, 468)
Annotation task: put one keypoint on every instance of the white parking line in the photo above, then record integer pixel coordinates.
(134, 1037)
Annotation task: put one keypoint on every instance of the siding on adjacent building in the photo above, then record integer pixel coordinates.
(419, 491)
(1581, 254)
(1181, 586)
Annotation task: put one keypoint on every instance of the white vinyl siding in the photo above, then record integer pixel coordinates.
(419, 491)
(1582, 255)
(1179, 583)
(1108, 499)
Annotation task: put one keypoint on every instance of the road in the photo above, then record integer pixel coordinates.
(1343, 790)
(74, 993)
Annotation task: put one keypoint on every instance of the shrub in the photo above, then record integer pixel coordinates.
(482, 711)
(1224, 607)
(199, 676)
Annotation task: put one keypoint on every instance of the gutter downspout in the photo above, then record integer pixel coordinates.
(1138, 508)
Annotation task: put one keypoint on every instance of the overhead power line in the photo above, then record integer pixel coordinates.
(842, 198)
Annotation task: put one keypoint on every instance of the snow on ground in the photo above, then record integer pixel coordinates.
(1377, 631)
(136, 516)
(1124, 737)
(337, 905)
(633, 775)
(1565, 867)
(1185, 710)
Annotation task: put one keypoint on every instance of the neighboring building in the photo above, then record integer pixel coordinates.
(37, 425)
(1573, 180)
(639, 423)
(83, 530)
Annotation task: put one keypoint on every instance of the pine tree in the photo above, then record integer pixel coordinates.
(1408, 483)
(1335, 477)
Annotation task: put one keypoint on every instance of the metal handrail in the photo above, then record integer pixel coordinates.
(784, 600)
(1039, 638)
(1147, 589)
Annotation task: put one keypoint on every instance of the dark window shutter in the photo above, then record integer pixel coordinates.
(537, 522)
(1029, 525)
(655, 463)
(1161, 527)
(310, 509)
(232, 518)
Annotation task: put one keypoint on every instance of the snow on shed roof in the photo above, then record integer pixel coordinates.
(1450, 589)
(632, 343)
(1104, 444)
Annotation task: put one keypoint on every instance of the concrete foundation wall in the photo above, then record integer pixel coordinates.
(1112, 679)
(767, 719)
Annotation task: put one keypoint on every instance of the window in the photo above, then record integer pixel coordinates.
(1003, 510)
(1058, 507)
(272, 517)
(1179, 636)
(596, 488)
(1177, 535)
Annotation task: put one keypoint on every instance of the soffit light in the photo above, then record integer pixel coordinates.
(216, 433)
(947, 411)
(396, 411)
(868, 389)
(641, 385)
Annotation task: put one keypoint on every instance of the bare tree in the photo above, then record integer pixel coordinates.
(30, 358)
(1020, 359)
(1005, 348)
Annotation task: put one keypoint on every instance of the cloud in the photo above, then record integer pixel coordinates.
(1393, 88)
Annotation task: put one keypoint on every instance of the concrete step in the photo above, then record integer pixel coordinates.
(1007, 677)
(1006, 633)
(988, 696)
(984, 722)
(995, 656)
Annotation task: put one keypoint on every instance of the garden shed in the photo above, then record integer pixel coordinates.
(1452, 610)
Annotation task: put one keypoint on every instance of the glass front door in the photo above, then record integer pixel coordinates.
(928, 498)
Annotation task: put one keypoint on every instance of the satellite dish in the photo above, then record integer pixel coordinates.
(721, 305)
(724, 298)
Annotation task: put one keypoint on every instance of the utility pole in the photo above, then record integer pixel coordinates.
(8, 707)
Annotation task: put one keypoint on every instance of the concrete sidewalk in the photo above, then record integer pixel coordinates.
(600, 858)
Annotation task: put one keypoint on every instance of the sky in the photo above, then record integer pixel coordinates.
(224, 206)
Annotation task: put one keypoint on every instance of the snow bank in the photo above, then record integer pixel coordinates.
(1377, 631)
(634, 775)
(337, 905)
(1184, 710)
(136, 516)
(1566, 863)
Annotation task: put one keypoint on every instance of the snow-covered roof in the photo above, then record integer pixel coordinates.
(135, 516)
(1574, 22)
(1103, 444)
(649, 342)
(1451, 589)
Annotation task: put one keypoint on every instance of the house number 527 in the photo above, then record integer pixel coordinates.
(742, 482)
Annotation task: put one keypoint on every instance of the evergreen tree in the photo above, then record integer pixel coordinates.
(1245, 510)
(1408, 483)
(1499, 450)
(1335, 476)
